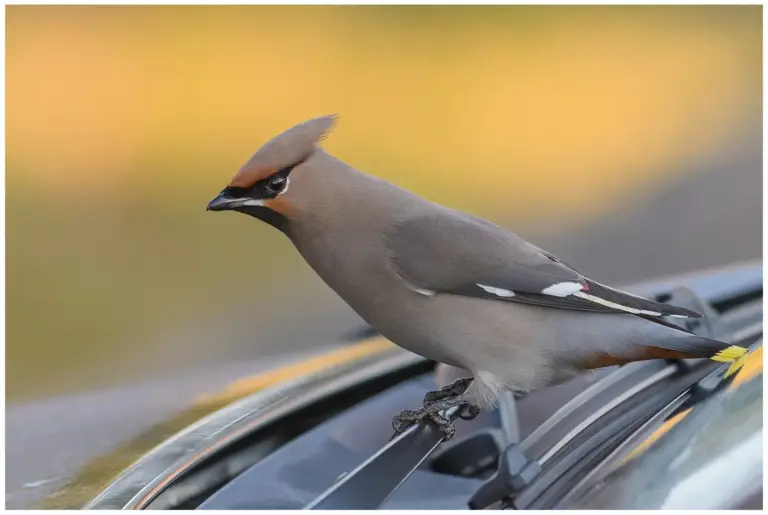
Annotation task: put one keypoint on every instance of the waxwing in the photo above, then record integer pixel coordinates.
(449, 286)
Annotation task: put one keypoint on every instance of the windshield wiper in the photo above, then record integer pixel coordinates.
(373, 481)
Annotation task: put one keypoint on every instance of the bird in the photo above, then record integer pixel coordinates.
(452, 287)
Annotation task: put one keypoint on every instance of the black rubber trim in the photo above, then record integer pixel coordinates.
(601, 438)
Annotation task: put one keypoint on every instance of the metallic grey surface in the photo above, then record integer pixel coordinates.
(591, 404)
(48, 441)
(622, 451)
(712, 459)
(135, 488)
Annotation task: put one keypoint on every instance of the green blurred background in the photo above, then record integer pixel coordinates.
(122, 122)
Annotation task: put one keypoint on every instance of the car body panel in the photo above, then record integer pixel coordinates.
(710, 284)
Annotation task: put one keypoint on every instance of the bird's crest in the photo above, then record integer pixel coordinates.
(284, 150)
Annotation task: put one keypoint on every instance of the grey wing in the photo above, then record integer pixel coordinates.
(450, 252)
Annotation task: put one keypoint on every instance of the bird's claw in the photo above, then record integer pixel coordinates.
(435, 403)
(409, 418)
(456, 388)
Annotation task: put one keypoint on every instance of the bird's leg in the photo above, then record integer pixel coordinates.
(457, 387)
(433, 410)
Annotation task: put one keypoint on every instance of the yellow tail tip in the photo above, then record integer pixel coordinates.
(732, 353)
(736, 365)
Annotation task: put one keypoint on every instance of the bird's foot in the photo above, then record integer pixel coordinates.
(456, 388)
(434, 411)
(408, 418)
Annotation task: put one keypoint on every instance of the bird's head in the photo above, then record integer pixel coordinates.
(269, 186)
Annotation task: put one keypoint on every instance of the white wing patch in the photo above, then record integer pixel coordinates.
(567, 288)
(562, 289)
(609, 304)
(499, 292)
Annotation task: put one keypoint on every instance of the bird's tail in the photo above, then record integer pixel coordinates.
(695, 346)
(735, 355)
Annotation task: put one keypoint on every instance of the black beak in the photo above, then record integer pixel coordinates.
(225, 202)
(221, 203)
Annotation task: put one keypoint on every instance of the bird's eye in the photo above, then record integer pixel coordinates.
(277, 184)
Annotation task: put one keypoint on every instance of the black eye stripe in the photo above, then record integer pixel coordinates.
(235, 191)
(263, 186)
(262, 189)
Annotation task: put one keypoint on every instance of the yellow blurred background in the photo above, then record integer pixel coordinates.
(122, 122)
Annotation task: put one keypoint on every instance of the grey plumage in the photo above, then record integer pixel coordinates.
(452, 252)
(450, 286)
